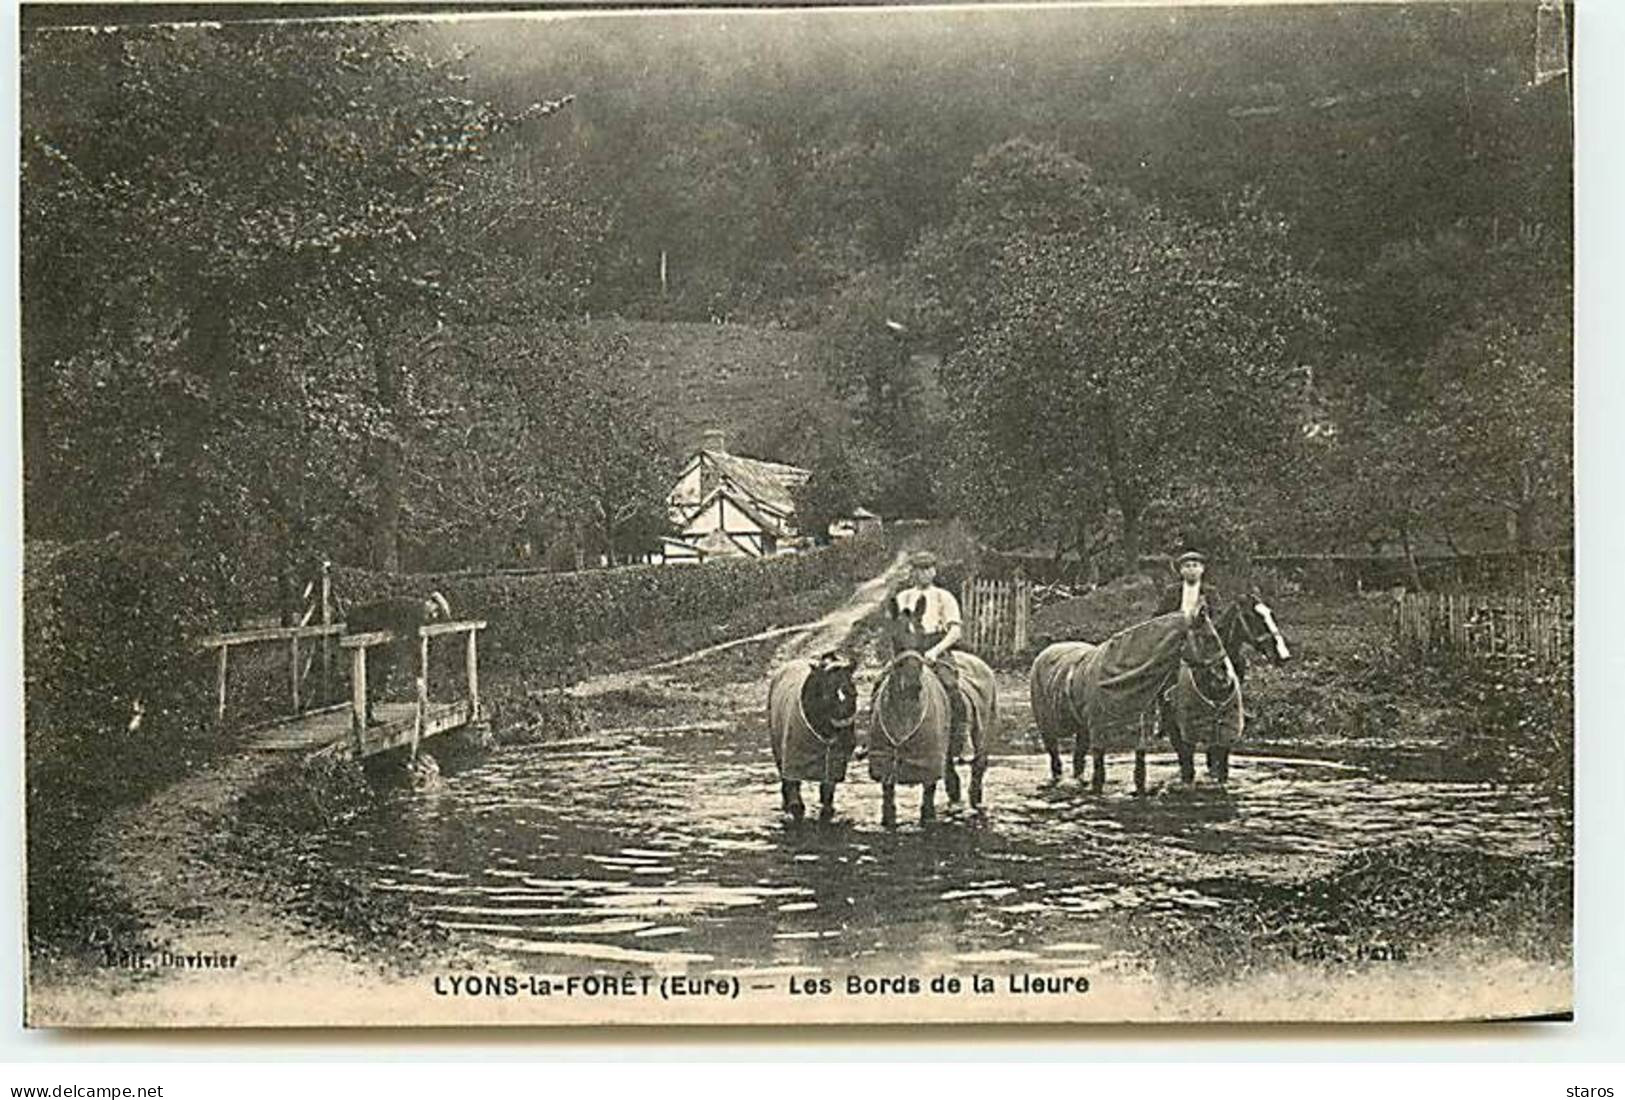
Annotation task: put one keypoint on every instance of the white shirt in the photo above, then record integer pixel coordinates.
(1190, 594)
(941, 608)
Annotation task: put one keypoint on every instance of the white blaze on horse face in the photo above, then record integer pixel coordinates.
(1281, 651)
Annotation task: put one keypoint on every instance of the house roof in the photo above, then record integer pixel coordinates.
(766, 482)
(746, 506)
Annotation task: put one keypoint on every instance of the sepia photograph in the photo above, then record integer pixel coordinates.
(865, 515)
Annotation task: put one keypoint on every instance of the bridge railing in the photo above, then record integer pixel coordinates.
(294, 637)
(359, 644)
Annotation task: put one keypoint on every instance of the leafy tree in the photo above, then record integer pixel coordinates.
(204, 209)
(871, 353)
(523, 445)
(1116, 357)
(1502, 420)
(845, 477)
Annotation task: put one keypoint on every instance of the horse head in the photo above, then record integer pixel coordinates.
(1270, 643)
(906, 632)
(829, 698)
(1205, 655)
(1250, 622)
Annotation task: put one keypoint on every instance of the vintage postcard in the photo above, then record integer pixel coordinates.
(778, 516)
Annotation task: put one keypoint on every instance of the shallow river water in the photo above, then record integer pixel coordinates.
(668, 852)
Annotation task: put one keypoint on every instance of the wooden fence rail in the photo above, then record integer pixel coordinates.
(1484, 625)
(291, 636)
(997, 614)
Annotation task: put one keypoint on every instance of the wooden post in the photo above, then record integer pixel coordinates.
(220, 685)
(358, 696)
(327, 640)
(420, 719)
(473, 657)
(293, 670)
(1024, 606)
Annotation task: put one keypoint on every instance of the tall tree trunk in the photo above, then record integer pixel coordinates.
(1411, 569)
(1127, 499)
(1133, 513)
(386, 451)
(1528, 513)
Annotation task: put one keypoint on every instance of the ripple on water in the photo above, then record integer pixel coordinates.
(590, 864)
(600, 952)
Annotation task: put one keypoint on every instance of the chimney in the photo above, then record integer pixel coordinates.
(715, 439)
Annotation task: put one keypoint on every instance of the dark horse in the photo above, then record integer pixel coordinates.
(1189, 714)
(1092, 691)
(811, 710)
(910, 740)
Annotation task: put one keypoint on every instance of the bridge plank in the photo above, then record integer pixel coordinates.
(434, 630)
(268, 634)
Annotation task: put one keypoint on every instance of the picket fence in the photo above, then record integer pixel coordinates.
(996, 616)
(1484, 625)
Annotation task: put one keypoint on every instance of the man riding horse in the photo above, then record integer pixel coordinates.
(938, 615)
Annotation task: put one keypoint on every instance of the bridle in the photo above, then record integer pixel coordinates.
(837, 724)
(1209, 668)
(880, 711)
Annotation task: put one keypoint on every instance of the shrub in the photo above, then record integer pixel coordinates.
(116, 700)
(109, 638)
(555, 613)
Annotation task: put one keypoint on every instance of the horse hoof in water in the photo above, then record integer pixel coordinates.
(826, 814)
(795, 813)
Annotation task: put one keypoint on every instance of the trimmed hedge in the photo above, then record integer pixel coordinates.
(550, 615)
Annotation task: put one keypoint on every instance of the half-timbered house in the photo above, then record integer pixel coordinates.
(727, 505)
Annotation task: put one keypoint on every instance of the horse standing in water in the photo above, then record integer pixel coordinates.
(811, 710)
(910, 738)
(1190, 715)
(1095, 691)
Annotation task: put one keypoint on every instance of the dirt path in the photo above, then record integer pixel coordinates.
(802, 639)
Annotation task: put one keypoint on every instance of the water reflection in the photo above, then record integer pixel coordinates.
(670, 854)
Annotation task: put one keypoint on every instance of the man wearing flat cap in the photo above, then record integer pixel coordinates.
(1192, 587)
(939, 617)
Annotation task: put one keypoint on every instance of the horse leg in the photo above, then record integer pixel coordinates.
(950, 779)
(1139, 771)
(1052, 745)
(1218, 763)
(928, 803)
(790, 791)
(1097, 782)
(978, 768)
(826, 802)
(1187, 757)
(1079, 753)
(888, 805)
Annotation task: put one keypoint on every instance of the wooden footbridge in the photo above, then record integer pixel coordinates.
(309, 723)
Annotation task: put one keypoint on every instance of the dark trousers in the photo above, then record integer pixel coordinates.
(948, 675)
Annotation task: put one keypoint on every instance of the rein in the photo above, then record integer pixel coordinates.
(1212, 704)
(1208, 666)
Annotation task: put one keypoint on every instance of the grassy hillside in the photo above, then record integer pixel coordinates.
(757, 384)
